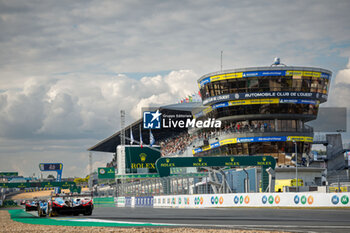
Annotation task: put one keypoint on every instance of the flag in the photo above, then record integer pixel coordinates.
(189, 98)
(151, 138)
(131, 137)
(141, 138)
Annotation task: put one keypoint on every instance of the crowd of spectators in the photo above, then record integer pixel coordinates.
(177, 145)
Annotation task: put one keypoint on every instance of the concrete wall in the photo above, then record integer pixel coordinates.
(302, 200)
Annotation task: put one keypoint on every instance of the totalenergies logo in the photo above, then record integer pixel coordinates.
(198, 200)
(303, 199)
(215, 200)
(271, 199)
(241, 199)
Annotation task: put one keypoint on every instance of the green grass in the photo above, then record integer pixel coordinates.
(19, 215)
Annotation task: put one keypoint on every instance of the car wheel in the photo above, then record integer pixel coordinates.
(88, 212)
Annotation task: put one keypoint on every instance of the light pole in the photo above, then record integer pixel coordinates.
(296, 165)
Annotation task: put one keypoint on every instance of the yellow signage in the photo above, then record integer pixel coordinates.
(226, 76)
(206, 148)
(303, 73)
(253, 101)
(143, 165)
(228, 141)
(300, 139)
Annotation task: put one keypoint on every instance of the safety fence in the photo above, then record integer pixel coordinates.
(167, 185)
(298, 200)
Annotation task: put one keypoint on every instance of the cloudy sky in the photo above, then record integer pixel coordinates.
(67, 68)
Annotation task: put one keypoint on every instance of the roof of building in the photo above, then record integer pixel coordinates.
(110, 144)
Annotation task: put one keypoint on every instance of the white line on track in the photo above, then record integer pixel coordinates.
(109, 221)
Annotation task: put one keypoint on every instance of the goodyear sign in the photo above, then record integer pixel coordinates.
(106, 173)
(144, 158)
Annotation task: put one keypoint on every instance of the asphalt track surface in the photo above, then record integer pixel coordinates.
(291, 220)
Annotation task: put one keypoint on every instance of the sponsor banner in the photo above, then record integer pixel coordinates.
(256, 101)
(119, 201)
(300, 139)
(137, 157)
(253, 139)
(298, 101)
(225, 76)
(305, 200)
(127, 201)
(106, 172)
(272, 94)
(8, 174)
(204, 81)
(264, 73)
(144, 201)
(228, 141)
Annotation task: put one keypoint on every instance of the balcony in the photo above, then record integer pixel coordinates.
(212, 137)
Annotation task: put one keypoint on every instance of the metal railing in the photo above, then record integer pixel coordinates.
(165, 186)
(235, 132)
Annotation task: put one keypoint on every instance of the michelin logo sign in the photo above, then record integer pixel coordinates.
(154, 120)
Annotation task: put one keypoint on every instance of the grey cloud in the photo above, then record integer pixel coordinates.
(83, 105)
(139, 36)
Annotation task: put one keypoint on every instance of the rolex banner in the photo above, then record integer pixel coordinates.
(141, 160)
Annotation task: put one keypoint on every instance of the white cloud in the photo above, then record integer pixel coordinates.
(82, 105)
(343, 76)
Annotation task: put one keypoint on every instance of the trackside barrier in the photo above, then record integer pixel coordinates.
(254, 200)
(120, 201)
(144, 201)
(127, 201)
(103, 201)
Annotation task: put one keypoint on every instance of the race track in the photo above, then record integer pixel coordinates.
(298, 220)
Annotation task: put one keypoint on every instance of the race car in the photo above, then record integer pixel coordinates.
(31, 205)
(66, 205)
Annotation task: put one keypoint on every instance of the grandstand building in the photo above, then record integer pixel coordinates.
(264, 111)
